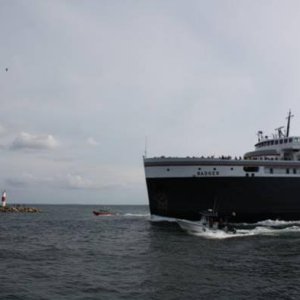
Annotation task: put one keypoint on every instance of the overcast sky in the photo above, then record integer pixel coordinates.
(87, 81)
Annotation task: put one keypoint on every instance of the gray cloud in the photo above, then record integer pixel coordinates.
(34, 142)
(3, 130)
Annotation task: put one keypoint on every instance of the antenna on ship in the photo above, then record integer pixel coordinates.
(288, 124)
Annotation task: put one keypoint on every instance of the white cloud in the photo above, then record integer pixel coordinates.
(36, 142)
(91, 141)
(78, 182)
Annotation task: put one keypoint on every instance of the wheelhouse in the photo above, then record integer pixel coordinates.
(280, 147)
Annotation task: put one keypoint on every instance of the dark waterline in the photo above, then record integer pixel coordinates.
(66, 252)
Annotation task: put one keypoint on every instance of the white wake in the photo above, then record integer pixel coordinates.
(263, 228)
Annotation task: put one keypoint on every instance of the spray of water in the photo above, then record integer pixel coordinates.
(267, 228)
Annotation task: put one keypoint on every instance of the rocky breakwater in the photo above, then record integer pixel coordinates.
(19, 209)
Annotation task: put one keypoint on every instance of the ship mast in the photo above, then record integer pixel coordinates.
(288, 124)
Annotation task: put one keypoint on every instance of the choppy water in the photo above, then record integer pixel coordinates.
(66, 252)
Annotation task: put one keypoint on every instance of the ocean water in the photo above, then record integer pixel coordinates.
(66, 252)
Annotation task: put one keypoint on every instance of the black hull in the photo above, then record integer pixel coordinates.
(239, 199)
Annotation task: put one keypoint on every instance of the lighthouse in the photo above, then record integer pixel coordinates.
(4, 199)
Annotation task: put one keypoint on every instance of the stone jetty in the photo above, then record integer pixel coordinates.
(19, 209)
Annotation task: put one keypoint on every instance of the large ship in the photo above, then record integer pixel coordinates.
(263, 184)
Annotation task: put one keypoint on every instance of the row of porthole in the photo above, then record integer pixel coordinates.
(252, 175)
(287, 171)
(214, 169)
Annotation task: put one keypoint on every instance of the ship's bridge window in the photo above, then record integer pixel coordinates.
(281, 141)
(251, 169)
(276, 142)
(285, 141)
(290, 140)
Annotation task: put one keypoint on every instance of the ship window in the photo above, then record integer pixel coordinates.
(251, 169)
(281, 141)
(247, 175)
(285, 141)
(290, 140)
(252, 175)
(295, 171)
(199, 168)
(271, 170)
(168, 169)
(231, 169)
(214, 169)
(276, 142)
(287, 171)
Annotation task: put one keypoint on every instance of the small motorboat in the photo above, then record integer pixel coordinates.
(102, 213)
(192, 226)
(209, 222)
